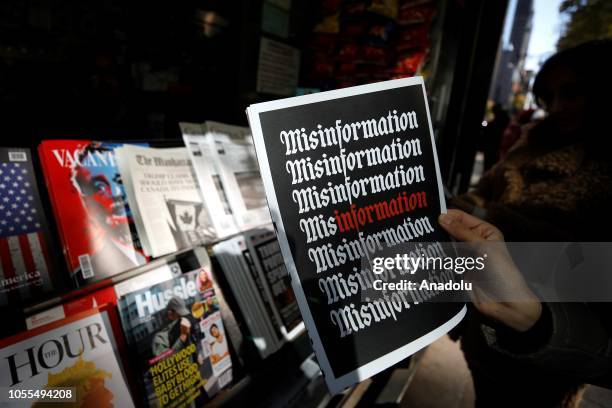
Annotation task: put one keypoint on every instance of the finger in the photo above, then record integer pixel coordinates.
(481, 228)
(469, 220)
(457, 229)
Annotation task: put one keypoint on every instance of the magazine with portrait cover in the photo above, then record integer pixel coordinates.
(237, 167)
(352, 176)
(165, 198)
(78, 352)
(203, 158)
(177, 339)
(265, 252)
(89, 201)
(25, 267)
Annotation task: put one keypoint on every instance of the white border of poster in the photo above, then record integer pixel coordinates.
(337, 384)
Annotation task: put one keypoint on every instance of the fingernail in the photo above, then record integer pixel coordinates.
(446, 219)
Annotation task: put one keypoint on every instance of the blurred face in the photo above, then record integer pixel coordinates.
(172, 315)
(564, 101)
(214, 331)
(203, 276)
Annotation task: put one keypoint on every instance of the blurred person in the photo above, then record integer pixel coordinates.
(512, 133)
(492, 134)
(554, 185)
(555, 182)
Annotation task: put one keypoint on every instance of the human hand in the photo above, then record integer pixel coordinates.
(502, 294)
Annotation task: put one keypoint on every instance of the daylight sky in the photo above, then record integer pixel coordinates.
(545, 32)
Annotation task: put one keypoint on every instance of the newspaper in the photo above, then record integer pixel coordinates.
(165, 198)
(203, 158)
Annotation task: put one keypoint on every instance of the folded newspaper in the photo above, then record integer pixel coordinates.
(224, 160)
(165, 198)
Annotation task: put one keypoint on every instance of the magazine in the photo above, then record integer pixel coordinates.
(90, 205)
(203, 158)
(352, 176)
(94, 300)
(165, 198)
(177, 339)
(78, 352)
(101, 297)
(25, 270)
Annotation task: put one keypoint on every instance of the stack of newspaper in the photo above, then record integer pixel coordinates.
(226, 167)
(255, 271)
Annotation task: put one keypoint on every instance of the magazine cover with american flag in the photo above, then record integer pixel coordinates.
(24, 268)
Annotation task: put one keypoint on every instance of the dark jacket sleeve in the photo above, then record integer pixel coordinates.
(568, 338)
(518, 226)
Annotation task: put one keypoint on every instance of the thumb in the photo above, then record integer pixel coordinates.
(457, 229)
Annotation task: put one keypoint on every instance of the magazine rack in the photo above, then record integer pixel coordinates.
(290, 377)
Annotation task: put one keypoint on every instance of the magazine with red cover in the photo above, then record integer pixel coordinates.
(101, 297)
(90, 206)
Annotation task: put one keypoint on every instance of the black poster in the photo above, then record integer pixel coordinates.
(349, 175)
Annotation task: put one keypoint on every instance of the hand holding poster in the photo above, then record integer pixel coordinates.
(350, 174)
